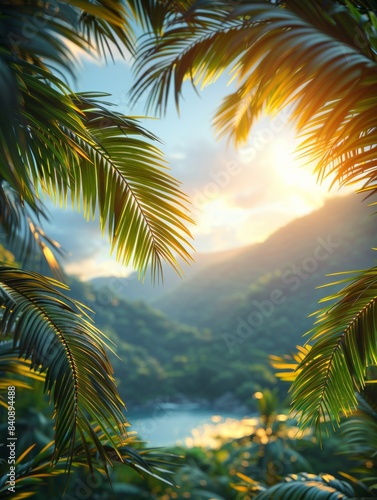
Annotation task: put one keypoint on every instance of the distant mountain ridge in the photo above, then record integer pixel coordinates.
(133, 289)
(346, 220)
(337, 237)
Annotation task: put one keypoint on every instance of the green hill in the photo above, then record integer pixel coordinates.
(283, 272)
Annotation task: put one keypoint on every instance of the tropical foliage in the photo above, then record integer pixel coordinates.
(72, 148)
(318, 58)
(225, 461)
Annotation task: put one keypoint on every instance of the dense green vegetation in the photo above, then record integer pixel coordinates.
(266, 448)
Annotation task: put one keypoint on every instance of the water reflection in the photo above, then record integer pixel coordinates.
(164, 426)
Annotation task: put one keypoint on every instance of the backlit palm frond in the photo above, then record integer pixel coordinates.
(153, 16)
(191, 50)
(75, 146)
(106, 24)
(54, 333)
(345, 343)
(312, 55)
(55, 30)
(290, 363)
(308, 486)
(123, 176)
(39, 40)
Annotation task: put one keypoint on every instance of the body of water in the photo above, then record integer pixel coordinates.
(166, 425)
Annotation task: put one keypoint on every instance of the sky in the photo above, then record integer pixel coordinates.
(238, 197)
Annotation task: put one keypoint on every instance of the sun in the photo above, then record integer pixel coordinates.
(285, 161)
(294, 182)
(293, 171)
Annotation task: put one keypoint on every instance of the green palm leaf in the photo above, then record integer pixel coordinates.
(124, 176)
(289, 363)
(106, 24)
(345, 343)
(54, 333)
(65, 145)
(23, 232)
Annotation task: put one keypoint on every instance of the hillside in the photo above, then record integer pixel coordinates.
(133, 289)
(294, 260)
(160, 359)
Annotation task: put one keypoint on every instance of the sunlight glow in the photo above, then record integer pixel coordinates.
(213, 436)
(284, 151)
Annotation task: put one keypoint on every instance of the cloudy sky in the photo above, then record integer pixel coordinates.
(238, 196)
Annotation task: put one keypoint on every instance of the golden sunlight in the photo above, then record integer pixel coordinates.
(283, 150)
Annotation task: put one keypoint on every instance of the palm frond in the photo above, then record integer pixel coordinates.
(55, 334)
(359, 433)
(345, 343)
(106, 24)
(152, 15)
(188, 49)
(140, 203)
(304, 53)
(22, 230)
(114, 168)
(308, 486)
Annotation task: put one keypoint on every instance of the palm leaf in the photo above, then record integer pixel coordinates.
(308, 486)
(140, 204)
(345, 343)
(55, 334)
(60, 144)
(359, 433)
(185, 50)
(22, 230)
(106, 24)
(303, 53)
(153, 17)
(289, 363)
